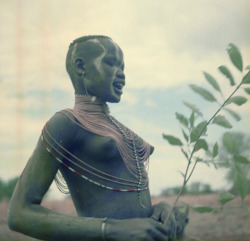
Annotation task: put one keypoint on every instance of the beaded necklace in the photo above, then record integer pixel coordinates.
(93, 115)
(84, 176)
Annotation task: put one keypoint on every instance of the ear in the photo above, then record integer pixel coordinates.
(79, 66)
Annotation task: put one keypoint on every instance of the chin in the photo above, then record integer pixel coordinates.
(114, 99)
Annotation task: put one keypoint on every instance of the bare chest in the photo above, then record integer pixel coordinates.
(99, 172)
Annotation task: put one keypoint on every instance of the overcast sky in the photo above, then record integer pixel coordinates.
(166, 45)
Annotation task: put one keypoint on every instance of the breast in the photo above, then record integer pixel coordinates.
(100, 148)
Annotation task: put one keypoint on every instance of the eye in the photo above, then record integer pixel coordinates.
(109, 62)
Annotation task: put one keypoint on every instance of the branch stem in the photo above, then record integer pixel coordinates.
(186, 176)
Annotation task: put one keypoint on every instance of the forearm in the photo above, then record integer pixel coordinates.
(42, 223)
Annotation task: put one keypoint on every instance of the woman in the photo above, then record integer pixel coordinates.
(102, 161)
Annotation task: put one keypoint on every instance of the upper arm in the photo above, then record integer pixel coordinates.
(42, 166)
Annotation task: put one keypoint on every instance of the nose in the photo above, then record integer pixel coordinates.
(120, 74)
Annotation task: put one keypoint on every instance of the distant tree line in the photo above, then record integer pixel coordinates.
(7, 188)
(193, 188)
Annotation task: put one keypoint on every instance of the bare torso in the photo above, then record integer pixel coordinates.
(91, 200)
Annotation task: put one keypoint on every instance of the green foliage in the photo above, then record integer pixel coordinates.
(241, 159)
(192, 107)
(182, 119)
(197, 131)
(172, 140)
(203, 92)
(194, 133)
(221, 121)
(246, 78)
(225, 71)
(233, 114)
(229, 142)
(215, 150)
(241, 184)
(238, 100)
(201, 144)
(234, 156)
(247, 90)
(7, 188)
(226, 197)
(193, 188)
(211, 80)
(202, 209)
(235, 56)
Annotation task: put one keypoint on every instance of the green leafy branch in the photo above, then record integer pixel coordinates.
(195, 135)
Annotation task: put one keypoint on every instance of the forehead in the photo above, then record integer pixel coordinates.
(109, 47)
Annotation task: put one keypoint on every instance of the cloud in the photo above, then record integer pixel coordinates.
(166, 44)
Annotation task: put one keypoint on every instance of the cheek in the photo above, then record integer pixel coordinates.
(99, 68)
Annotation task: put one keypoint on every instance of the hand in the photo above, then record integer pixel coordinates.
(160, 214)
(137, 229)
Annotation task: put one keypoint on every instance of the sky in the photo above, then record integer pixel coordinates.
(166, 44)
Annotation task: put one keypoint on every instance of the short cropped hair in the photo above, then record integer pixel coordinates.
(73, 46)
(86, 38)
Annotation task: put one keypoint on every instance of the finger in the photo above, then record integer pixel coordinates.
(160, 228)
(157, 211)
(155, 218)
(170, 228)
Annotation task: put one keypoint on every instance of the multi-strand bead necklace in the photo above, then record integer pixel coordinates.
(93, 115)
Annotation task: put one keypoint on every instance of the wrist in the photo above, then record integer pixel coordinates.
(103, 229)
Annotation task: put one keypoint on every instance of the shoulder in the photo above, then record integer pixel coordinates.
(61, 128)
(60, 121)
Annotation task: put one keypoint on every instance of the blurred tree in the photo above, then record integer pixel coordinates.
(234, 155)
(7, 188)
(193, 188)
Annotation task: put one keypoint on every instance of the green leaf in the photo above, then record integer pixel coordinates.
(202, 209)
(203, 92)
(181, 173)
(235, 56)
(225, 71)
(247, 90)
(233, 114)
(185, 153)
(241, 159)
(198, 159)
(229, 142)
(193, 108)
(221, 121)
(246, 78)
(247, 67)
(191, 119)
(201, 144)
(196, 132)
(211, 80)
(224, 164)
(215, 150)
(241, 184)
(226, 197)
(182, 119)
(185, 135)
(238, 100)
(172, 140)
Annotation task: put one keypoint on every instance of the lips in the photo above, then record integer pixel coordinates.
(118, 86)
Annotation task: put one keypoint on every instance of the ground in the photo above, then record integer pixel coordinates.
(230, 223)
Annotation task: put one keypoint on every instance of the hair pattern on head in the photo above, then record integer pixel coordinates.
(73, 48)
(86, 38)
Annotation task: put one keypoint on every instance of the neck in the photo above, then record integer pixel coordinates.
(90, 102)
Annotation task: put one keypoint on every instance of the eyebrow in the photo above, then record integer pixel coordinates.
(113, 58)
